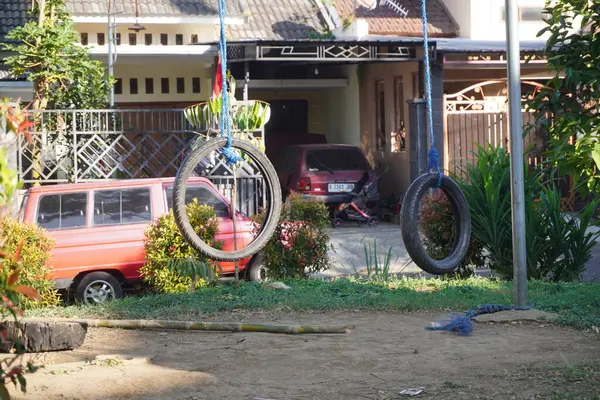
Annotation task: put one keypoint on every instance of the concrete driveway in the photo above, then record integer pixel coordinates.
(348, 256)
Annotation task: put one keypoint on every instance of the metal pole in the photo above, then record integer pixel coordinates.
(516, 155)
(110, 56)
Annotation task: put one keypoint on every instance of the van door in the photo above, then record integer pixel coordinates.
(64, 215)
(116, 238)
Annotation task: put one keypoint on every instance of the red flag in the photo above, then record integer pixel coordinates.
(218, 83)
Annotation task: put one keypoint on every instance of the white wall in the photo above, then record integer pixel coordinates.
(343, 110)
(483, 19)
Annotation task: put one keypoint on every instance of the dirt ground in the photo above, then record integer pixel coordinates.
(384, 354)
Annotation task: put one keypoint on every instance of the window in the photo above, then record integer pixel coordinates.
(164, 39)
(204, 196)
(178, 39)
(122, 206)
(527, 14)
(100, 39)
(416, 85)
(133, 86)
(195, 85)
(83, 38)
(348, 159)
(180, 85)
(118, 86)
(531, 14)
(148, 39)
(380, 131)
(133, 39)
(399, 134)
(194, 38)
(149, 86)
(62, 211)
(118, 39)
(164, 85)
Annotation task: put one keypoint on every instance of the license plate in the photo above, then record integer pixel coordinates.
(340, 187)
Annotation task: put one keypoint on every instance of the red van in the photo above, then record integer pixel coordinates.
(99, 230)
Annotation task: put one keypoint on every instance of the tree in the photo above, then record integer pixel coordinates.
(568, 107)
(47, 50)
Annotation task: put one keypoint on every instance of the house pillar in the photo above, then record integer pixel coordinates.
(437, 105)
(417, 137)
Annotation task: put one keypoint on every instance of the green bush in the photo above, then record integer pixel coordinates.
(164, 243)
(557, 247)
(34, 262)
(437, 223)
(300, 243)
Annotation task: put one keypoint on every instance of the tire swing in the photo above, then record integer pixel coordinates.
(226, 146)
(409, 213)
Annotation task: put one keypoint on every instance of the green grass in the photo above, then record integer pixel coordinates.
(578, 304)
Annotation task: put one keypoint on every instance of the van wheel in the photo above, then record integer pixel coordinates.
(256, 270)
(98, 288)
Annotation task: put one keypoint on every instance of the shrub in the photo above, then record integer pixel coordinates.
(437, 223)
(164, 243)
(557, 247)
(35, 256)
(300, 243)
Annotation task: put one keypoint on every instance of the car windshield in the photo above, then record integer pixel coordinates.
(344, 159)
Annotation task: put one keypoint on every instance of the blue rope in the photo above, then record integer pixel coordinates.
(433, 163)
(230, 155)
(462, 325)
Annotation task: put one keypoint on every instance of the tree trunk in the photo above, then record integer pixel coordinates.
(213, 326)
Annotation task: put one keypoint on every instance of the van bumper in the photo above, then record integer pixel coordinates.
(337, 198)
(60, 284)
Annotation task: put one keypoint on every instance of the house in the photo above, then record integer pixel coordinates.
(323, 68)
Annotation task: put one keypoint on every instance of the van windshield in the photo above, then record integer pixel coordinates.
(345, 159)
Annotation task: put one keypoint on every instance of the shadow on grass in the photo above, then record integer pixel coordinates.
(577, 304)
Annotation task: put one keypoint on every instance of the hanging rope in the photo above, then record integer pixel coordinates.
(433, 163)
(230, 155)
(462, 325)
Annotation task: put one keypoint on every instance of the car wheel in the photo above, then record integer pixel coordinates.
(257, 271)
(98, 288)
(337, 223)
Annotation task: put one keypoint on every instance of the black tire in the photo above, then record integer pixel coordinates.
(256, 269)
(337, 223)
(105, 286)
(409, 216)
(272, 213)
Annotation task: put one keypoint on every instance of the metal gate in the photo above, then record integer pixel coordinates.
(475, 118)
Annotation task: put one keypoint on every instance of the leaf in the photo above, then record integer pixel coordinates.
(27, 291)
(596, 154)
(17, 256)
(4, 395)
(14, 277)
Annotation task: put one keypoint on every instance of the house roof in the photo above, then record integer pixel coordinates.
(277, 19)
(154, 8)
(385, 21)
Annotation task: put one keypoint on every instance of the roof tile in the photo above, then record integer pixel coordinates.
(385, 21)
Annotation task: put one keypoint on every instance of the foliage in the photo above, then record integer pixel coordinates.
(35, 254)
(576, 303)
(47, 50)
(11, 292)
(378, 271)
(437, 223)
(570, 98)
(164, 243)
(557, 247)
(300, 243)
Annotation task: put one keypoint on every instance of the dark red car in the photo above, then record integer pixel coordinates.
(327, 172)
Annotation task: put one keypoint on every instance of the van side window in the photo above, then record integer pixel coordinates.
(62, 211)
(122, 206)
(204, 196)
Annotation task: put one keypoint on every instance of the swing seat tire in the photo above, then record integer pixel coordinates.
(273, 191)
(410, 217)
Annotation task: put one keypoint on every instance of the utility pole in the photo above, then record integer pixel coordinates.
(516, 155)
